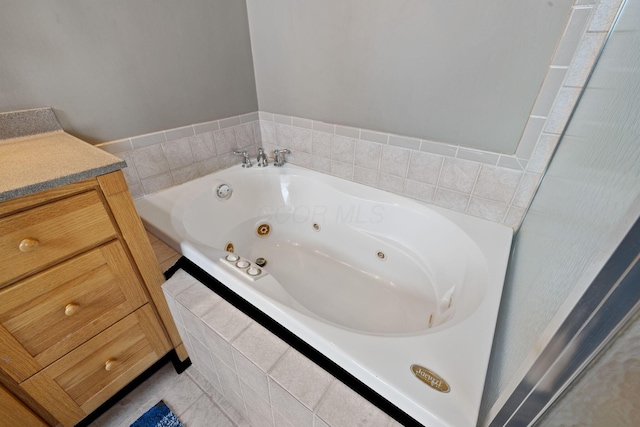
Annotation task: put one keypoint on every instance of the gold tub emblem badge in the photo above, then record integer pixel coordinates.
(430, 378)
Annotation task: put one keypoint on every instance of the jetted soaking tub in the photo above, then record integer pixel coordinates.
(402, 295)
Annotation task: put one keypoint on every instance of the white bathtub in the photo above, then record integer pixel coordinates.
(375, 281)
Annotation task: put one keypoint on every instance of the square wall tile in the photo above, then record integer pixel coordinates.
(284, 135)
(391, 183)
(342, 170)
(496, 183)
(451, 200)
(244, 135)
(302, 378)
(225, 141)
(289, 407)
(252, 376)
(157, 183)
(178, 283)
(184, 174)
(321, 164)
(394, 161)
(419, 190)
(256, 405)
(459, 175)
(178, 153)
(367, 154)
(130, 172)
(301, 159)
(343, 149)
(218, 345)
(365, 176)
(226, 320)
(321, 144)
(424, 167)
(150, 161)
(268, 132)
(198, 299)
(487, 209)
(302, 140)
(344, 407)
(208, 166)
(203, 146)
(260, 346)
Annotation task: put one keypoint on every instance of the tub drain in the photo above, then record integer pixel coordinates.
(263, 229)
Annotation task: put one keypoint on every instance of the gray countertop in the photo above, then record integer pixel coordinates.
(29, 164)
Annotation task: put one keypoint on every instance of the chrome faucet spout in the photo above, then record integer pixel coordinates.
(262, 159)
(278, 157)
(246, 161)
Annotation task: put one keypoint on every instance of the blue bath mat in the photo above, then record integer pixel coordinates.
(158, 416)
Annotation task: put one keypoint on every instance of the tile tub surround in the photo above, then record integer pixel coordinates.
(488, 185)
(160, 160)
(263, 378)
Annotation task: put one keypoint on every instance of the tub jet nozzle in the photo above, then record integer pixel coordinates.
(261, 262)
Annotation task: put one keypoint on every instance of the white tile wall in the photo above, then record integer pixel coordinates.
(253, 375)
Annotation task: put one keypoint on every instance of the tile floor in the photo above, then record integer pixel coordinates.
(188, 395)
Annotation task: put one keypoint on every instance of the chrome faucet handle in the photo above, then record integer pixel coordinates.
(262, 159)
(278, 157)
(246, 161)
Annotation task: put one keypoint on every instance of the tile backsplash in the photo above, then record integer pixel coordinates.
(160, 160)
(489, 185)
(476, 182)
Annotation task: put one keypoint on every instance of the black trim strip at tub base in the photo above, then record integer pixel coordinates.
(293, 340)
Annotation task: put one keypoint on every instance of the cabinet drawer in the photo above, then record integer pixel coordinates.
(97, 369)
(41, 236)
(53, 312)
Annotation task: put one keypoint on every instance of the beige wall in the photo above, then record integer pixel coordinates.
(118, 68)
(450, 72)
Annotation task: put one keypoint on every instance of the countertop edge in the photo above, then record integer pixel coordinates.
(63, 180)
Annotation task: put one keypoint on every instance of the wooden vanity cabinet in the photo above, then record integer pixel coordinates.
(15, 413)
(81, 309)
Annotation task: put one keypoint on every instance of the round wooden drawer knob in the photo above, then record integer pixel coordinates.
(27, 245)
(71, 309)
(110, 364)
